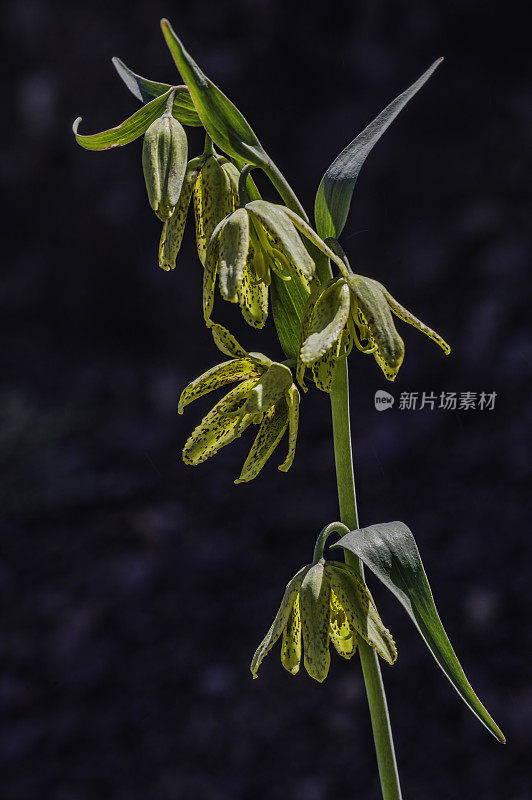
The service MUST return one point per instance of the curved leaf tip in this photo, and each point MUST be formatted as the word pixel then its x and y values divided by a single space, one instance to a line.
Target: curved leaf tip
pixel 333 198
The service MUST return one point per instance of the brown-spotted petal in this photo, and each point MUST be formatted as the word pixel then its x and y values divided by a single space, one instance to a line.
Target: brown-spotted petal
pixel 292 398
pixel 219 427
pixel 315 290
pixel 323 370
pixel 272 386
pixel 343 636
pixel 372 313
pixel 283 234
pixel 329 317
pixel 233 253
pixel 360 609
pixel 253 292
pixel 304 228
pixel 280 621
pixel 213 199
pixel 403 313
pixel 226 342
pixel 211 270
pixel 228 372
pixel 291 644
pixel 314 599
pixel 174 227
pixel 273 426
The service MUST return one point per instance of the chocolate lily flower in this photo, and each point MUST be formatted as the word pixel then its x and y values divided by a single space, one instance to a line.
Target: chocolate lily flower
pixel 243 250
pixel 265 394
pixel 324 602
pixel 349 309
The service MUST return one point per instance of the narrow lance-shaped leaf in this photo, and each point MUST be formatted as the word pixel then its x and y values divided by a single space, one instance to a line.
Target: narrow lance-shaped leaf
pixel 222 120
pixel 145 90
pixel 391 553
pixel 333 198
pixel 127 131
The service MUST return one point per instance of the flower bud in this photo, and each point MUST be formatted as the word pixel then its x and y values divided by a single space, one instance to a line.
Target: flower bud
pixel 164 161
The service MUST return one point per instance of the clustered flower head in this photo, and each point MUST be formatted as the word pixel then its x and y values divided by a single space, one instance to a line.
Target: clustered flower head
pixel 258 252
pixel 324 602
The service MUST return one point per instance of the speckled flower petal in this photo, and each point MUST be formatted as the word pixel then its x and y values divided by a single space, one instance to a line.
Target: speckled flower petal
pixel 292 399
pixel 291 645
pixel 360 609
pixel 219 427
pixel 314 598
pixel 343 636
pixel 226 342
pixel 304 228
pixel 236 370
pixel 403 313
pixel 211 270
pixel 273 385
pixel 315 290
pixel 253 293
pixel 323 370
pixel 329 317
pixel 281 619
pixel 174 227
pixel 372 313
pixel 233 254
pixel 272 428
pixel 214 199
pixel 283 234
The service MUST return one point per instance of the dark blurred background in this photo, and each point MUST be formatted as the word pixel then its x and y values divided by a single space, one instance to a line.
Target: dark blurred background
pixel 135 589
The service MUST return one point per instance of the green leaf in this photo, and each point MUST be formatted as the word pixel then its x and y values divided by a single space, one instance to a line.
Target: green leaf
pixel 222 120
pixel 145 90
pixel 333 198
pixel 390 552
pixel 127 131
pixel 288 302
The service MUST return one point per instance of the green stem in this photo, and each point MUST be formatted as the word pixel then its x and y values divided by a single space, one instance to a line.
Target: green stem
pixel 284 189
pixel 380 720
pixel 243 193
pixel 378 708
pixel 208 150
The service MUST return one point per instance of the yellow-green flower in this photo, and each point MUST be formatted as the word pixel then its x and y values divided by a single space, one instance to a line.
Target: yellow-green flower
pixel 265 394
pixel 350 309
pixel 324 602
pixel 247 246
pixel 211 181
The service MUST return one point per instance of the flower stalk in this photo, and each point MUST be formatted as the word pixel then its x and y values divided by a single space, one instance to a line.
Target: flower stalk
pixel 345 479
pixel 254 250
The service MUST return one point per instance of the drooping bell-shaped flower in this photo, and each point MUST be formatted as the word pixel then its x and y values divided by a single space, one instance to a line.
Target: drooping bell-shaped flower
pixel 324 602
pixel 211 181
pixel 349 309
pixel 243 250
pixel 265 394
